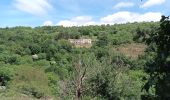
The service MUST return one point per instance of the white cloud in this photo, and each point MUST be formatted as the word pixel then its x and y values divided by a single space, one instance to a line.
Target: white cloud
pixel 125 16
pixel 150 3
pixel 35 7
pixel 67 23
pixel 48 23
pixel 119 17
pixel 77 21
pixel 123 5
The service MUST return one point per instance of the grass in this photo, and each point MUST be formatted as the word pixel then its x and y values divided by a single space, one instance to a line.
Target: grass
pixel 20 96
pixel 16 96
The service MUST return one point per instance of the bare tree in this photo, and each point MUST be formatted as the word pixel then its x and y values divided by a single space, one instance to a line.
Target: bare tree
pixel 83 70
pixel 79 78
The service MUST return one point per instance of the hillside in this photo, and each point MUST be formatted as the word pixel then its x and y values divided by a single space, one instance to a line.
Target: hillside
pixel 41 62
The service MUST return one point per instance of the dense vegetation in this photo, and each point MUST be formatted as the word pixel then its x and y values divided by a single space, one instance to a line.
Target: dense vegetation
pixel 41 63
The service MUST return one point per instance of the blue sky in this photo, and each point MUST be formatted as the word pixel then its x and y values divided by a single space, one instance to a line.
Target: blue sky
pixel 79 12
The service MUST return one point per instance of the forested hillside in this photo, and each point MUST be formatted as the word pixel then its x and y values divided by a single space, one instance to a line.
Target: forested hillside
pixel 40 62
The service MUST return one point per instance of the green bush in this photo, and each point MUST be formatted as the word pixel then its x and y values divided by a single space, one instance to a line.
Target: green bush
pixel 9 58
pixel 6 74
pixel 42 56
pixel 53 83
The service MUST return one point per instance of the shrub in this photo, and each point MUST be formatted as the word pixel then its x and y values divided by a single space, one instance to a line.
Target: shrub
pixel 53 82
pixel 6 74
pixel 9 58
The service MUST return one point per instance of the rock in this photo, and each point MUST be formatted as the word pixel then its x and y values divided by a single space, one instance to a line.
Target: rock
pixel 2 87
pixel 35 56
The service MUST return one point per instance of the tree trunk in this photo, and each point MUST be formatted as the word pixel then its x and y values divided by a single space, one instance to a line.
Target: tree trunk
pixel 78 94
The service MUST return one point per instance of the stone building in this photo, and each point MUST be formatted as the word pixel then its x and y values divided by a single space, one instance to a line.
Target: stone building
pixel 81 42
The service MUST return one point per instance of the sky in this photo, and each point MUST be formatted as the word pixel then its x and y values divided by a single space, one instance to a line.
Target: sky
pixel 79 12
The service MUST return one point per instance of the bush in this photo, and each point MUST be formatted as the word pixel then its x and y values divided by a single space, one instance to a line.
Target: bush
pixel 35 48
pixel 42 55
pixel 9 58
pixel 6 74
pixel 121 38
pixel 53 83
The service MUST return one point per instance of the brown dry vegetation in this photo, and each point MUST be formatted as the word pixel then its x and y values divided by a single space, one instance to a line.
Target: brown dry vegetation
pixel 83 46
pixel 132 50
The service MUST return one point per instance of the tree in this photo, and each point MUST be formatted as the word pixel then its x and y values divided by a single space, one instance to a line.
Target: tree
pixel 159 69
pixel 115 80
pixel 83 70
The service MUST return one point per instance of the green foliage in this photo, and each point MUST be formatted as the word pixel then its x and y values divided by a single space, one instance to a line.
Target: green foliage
pixel 42 55
pixel 9 58
pixel 53 81
pixel 58 70
pixel 115 81
pixel 159 67
pixel 121 38
pixel 30 81
pixel 34 48
pixel 109 74
pixel 6 74
pixel 102 40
